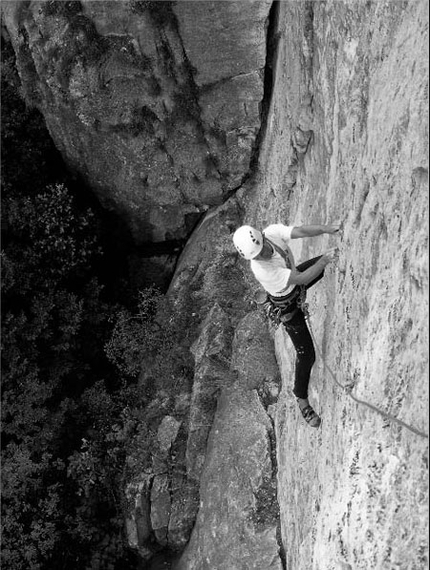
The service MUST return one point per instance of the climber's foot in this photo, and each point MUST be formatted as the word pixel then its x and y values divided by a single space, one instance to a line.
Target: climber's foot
pixel 310 416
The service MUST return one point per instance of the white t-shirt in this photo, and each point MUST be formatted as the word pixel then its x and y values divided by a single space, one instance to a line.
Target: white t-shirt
pixel 273 273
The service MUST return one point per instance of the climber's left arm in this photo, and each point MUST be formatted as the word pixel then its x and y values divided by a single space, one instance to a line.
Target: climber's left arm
pixel 312 231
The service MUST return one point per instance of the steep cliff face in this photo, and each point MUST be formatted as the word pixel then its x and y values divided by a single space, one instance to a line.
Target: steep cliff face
pixel 346 140
pixel 156 104
pixel 359 485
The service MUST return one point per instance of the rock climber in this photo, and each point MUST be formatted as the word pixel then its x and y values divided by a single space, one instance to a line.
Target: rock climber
pixel 285 285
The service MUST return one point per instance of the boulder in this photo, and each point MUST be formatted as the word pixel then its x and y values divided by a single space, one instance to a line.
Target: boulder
pixel 161 506
pixel 167 432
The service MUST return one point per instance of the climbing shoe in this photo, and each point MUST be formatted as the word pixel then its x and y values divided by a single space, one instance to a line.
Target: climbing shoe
pixel 310 416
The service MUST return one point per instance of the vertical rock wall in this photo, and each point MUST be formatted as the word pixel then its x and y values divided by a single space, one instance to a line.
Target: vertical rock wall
pixel 353 494
pixel 346 140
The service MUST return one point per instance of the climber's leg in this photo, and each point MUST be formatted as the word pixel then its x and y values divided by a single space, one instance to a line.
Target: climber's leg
pixel 305 357
pixel 300 336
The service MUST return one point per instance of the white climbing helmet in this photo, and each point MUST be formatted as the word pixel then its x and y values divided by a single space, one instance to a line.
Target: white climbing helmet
pixel 248 241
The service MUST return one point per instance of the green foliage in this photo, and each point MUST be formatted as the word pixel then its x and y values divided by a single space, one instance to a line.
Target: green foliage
pixel 61 8
pixel 30 513
pixel 62 241
pixel 140 342
pixel 67 435
pixel 55 228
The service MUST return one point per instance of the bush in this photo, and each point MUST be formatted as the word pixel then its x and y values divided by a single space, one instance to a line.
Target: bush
pixel 137 335
pixel 53 312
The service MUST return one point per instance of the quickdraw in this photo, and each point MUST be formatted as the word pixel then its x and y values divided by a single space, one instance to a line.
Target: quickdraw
pixel 276 315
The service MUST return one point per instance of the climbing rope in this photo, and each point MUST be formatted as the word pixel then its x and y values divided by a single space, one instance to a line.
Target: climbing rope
pixel 348 388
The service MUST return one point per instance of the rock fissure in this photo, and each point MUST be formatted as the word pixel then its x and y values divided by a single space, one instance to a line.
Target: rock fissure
pixel 269 79
pixel 308 32
pixel 195 92
pixel 268 401
pixel 267 72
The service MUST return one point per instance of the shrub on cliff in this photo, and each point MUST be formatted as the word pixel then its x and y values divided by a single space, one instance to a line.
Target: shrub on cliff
pixel 69 418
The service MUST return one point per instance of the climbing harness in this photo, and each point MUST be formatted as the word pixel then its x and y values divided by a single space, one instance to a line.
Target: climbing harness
pixel 280 310
pixel 348 390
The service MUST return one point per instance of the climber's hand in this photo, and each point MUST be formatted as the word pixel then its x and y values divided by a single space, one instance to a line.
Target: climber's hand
pixel 330 255
pixel 334 228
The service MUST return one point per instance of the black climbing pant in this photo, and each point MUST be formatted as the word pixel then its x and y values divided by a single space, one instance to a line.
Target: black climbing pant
pixel 300 336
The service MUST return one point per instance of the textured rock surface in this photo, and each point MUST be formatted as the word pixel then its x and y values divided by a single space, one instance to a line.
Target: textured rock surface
pixel 346 140
pixel 213 343
pixel 163 501
pixel 355 492
pixel 225 43
pixel 237 522
pixel 158 131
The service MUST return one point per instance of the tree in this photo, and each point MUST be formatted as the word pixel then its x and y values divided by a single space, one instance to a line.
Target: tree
pixel 56 321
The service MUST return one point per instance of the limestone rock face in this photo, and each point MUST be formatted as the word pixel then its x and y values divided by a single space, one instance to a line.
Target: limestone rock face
pixel 226 45
pixel 160 131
